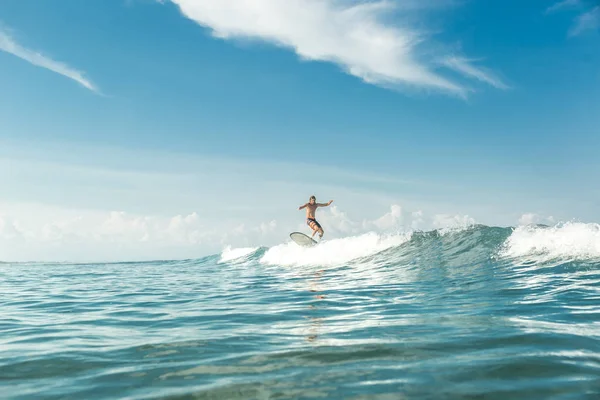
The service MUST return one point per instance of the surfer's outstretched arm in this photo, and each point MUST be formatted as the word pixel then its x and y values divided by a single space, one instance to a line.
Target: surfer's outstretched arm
pixel 301 207
pixel 324 204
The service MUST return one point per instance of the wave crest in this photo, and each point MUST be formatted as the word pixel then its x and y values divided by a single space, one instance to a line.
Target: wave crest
pixel 332 252
pixel 462 245
pixel 572 240
pixel 232 254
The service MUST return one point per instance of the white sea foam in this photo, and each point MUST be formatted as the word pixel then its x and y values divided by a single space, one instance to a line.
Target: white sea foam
pixel 332 252
pixel 230 254
pixel 570 240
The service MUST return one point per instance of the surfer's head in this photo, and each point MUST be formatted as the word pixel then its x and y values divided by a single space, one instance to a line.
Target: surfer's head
pixel 312 200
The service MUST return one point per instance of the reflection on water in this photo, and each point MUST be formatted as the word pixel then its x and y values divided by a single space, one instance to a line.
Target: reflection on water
pixel 315 322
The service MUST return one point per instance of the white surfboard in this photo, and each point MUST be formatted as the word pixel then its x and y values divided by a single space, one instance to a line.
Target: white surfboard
pixel 302 239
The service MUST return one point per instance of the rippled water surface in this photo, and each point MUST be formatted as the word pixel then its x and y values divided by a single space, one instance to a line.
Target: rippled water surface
pixel 481 313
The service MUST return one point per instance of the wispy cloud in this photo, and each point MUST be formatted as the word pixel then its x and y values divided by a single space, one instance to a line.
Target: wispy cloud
pixel 586 21
pixel 464 66
pixel 561 5
pixel 9 45
pixel 358 36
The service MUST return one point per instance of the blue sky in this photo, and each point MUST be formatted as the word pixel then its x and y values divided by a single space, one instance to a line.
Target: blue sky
pixel 233 113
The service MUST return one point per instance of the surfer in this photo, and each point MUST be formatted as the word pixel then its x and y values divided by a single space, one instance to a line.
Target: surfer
pixel 311 209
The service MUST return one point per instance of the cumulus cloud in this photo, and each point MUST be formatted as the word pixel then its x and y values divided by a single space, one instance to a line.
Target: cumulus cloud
pixel 396 219
pixel 8 229
pixel 441 221
pixel 389 220
pixel 527 219
pixel 358 36
pixel 265 228
pixel 186 229
pixel 417 220
pixel 533 218
pixel 117 236
pixel 9 45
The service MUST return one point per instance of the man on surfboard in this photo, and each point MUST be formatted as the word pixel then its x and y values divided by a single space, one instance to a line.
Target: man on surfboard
pixel 311 209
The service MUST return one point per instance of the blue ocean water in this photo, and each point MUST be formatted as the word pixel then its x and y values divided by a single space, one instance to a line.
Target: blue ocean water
pixel 472 313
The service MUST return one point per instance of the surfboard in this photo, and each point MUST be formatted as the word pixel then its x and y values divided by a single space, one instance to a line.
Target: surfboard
pixel 302 239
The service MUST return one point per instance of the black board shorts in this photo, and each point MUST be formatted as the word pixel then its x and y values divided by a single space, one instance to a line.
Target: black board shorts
pixel 309 220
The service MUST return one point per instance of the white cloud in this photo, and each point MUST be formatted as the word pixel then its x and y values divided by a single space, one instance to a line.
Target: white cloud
pixel 127 236
pixel 96 207
pixel 8 45
pixel 417 220
pixel 337 221
pixel 587 21
pixel 561 5
pixel 528 219
pixel 389 220
pixel 463 66
pixel 239 230
pixel 533 218
pixel 356 35
pixel 441 221
pixel 118 236
pixel 8 229
pixel 120 226
pixel 265 228
pixel 187 229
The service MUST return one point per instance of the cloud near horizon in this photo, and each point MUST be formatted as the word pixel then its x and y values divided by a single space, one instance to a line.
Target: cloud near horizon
pixel 353 35
pixel 156 207
pixel 118 236
pixel 9 45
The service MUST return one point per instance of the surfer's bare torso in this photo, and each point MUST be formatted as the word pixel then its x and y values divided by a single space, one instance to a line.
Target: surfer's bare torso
pixel 311 209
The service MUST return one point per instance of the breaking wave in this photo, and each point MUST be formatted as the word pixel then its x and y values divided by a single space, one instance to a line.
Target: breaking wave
pixel 523 244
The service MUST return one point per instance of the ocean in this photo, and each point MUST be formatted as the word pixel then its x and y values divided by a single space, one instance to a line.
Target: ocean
pixel 470 313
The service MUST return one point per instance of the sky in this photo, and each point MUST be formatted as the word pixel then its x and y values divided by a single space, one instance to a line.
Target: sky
pixel 145 129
